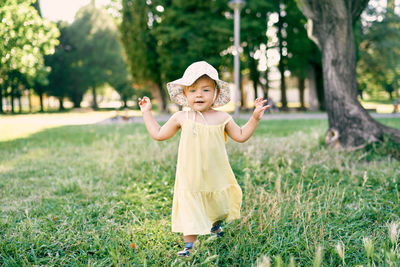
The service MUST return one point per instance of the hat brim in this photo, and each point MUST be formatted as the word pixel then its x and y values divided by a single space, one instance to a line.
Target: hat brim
pixel 175 90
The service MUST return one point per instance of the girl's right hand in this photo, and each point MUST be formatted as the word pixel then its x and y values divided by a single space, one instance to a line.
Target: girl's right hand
pixel 144 104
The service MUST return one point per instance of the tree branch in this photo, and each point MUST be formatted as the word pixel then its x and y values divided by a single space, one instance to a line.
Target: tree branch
pixel 307 8
pixel 310 33
pixel 357 7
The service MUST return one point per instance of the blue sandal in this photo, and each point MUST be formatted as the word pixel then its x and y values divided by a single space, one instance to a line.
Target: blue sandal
pixel 186 252
pixel 217 230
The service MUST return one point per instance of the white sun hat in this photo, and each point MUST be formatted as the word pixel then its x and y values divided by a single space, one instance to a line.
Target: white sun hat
pixel 192 73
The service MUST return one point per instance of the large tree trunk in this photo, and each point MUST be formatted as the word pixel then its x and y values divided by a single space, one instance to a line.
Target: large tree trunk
pixel 333 33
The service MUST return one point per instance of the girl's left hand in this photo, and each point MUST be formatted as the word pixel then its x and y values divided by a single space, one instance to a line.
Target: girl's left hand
pixel 259 108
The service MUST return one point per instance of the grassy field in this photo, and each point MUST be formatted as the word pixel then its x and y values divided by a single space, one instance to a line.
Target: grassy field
pixel 101 195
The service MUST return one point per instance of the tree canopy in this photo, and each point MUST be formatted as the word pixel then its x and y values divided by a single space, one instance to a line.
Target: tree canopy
pixel 27 37
pixel 379 51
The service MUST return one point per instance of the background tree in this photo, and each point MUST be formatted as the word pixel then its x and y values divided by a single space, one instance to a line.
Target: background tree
pixel 282 35
pixel 40 81
pixel 302 53
pixel 378 67
pixel 26 38
pixel 138 22
pixel 15 80
pixel 40 85
pixel 121 81
pixel 331 27
pixel 63 75
pixel 191 31
pixel 254 24
pixel 66 78
pixel 96 49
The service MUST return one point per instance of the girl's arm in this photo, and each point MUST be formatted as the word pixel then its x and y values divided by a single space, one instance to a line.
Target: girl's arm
pixel 157 132
pixel 243 134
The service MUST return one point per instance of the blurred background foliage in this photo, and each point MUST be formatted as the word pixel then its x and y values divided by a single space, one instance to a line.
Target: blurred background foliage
pixel 135 47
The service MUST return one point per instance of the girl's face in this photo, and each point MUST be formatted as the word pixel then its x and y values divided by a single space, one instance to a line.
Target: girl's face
pixel 200 95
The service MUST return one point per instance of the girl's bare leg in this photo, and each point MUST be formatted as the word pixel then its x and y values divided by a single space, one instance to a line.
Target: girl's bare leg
pixel 189 238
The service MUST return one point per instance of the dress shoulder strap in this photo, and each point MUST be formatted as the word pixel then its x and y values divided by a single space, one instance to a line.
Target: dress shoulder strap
pixel 227 120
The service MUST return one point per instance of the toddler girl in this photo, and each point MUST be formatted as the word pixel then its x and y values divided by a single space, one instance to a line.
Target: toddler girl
pixel 206 192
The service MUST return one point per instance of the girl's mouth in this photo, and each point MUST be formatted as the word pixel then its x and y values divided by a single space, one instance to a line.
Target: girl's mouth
pixel 197 102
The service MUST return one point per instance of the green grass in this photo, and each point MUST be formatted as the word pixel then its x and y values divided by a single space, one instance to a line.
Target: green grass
pixel 101 195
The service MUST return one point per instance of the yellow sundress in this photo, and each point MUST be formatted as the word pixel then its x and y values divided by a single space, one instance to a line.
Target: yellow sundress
pixel 205 189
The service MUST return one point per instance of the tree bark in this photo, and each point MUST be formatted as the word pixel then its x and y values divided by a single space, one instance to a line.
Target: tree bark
pixel 254 74
pixel 1 100
pixel 301 93
pixel 281 65
pixel 61 104
pixel 319 79
pixel 163 98
pixel 30 99
pixel 312 90
pixel 12 99
pixel 333 33
pixel 157 93
pixel 266 85
pixel 41 102
pixel 76 99
pixel 77 104
pixel 20 104
pixel 94 103
pixel 241 90
pixel 243 97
